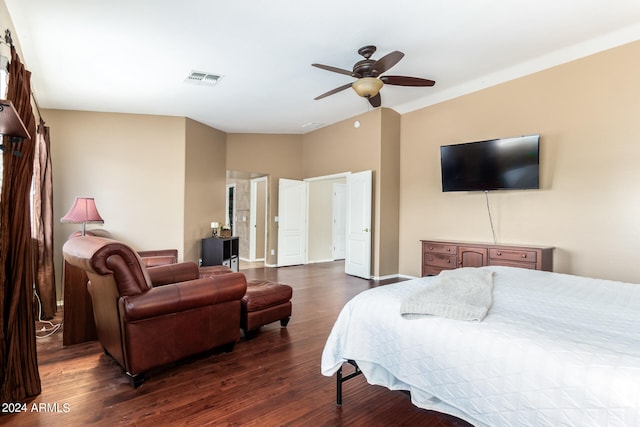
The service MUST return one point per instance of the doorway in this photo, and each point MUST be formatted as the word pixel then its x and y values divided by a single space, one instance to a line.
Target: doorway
pixel 247 214
pixel 308 222
pixel 258 220
pixel 230 208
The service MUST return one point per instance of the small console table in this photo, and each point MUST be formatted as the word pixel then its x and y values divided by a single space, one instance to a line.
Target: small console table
pixel 221 251
pixel 442 255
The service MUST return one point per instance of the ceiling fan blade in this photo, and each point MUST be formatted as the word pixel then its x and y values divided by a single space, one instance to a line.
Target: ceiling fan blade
pixel 334 69
pixel 386 62
pixel 331 92
pixel 406 81
pixel 375 101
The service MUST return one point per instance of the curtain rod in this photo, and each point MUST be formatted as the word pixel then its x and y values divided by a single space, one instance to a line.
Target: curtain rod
pixel 35 102
pixel 7 39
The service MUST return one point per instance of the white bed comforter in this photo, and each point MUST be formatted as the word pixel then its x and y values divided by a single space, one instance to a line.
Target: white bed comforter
pixel 554 350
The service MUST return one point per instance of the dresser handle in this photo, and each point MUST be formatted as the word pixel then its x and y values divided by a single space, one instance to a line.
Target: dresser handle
pixel 524 255
pixel 499 253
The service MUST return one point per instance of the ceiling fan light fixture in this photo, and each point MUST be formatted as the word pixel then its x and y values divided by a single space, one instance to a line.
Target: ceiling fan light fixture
pixel 367 87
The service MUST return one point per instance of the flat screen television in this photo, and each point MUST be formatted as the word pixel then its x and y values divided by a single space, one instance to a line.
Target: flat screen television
pixel 496 164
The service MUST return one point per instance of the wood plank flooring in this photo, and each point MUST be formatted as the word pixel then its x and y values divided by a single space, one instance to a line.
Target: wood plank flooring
pixel 272 380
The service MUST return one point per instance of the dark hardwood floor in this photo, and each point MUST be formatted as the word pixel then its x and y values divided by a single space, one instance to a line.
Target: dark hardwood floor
pixel 272 380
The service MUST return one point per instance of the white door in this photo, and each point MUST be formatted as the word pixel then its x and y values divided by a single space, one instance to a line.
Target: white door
pixel 339 230
pixel 358 248
pixel 257 219
pixel 292 219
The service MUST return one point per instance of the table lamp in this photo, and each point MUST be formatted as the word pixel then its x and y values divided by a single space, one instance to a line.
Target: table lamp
pixel 82 212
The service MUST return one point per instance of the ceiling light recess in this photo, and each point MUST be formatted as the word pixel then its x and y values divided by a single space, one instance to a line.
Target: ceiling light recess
pixel 203 78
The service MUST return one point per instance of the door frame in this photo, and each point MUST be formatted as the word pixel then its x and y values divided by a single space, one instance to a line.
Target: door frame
pixel 306 231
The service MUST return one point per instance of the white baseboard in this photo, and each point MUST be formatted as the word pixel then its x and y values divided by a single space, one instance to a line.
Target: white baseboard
pixel 320 260
pixel 378 278
pixel 392 276
pixel 248 260
pixel 406 276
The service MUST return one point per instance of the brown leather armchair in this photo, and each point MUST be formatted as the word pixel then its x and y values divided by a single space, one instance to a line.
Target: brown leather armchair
pixel 78 309
pixel 143 326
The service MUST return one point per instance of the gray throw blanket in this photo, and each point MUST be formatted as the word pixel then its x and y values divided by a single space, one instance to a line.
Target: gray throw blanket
pixel 462 294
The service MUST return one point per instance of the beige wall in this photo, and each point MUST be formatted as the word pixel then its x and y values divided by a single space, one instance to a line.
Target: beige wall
pixel 133 165
pixel 204 184
pixel 277 156
pixel 589 204
pixel 388 218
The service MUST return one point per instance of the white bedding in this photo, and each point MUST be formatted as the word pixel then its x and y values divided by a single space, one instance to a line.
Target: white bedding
pixel 553 350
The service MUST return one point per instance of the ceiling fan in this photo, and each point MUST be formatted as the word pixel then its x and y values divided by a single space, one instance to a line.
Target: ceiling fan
pixel 368 72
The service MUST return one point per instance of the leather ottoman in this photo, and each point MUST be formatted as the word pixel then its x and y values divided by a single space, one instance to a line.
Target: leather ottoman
pixel 264 303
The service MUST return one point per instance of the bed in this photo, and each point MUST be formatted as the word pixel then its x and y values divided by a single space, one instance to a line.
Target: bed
pixel 553 350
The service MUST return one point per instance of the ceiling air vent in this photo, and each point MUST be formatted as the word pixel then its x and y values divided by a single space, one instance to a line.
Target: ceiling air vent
pixel 312 125
pixel 201 78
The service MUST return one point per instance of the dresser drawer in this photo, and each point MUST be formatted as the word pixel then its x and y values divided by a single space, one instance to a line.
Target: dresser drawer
pixel 517 255
pixel 441 248
pixel 507 263
pixel 440 260
pixel 433 271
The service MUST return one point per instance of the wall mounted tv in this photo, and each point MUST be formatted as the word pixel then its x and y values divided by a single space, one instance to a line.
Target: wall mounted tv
pixel 496 164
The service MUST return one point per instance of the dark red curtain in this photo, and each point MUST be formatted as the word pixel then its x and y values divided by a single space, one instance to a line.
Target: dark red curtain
pixel 43 223
pixel 19 377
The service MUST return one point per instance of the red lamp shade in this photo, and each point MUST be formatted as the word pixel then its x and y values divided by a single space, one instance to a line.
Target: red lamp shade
pixel 82 212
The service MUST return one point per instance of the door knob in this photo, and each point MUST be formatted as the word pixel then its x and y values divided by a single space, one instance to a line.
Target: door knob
pixel 366 230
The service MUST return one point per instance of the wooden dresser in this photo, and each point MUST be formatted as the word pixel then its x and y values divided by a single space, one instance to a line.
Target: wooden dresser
pixel 443 255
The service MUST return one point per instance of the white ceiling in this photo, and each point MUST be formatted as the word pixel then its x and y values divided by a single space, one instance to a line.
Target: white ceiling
pixel 133 56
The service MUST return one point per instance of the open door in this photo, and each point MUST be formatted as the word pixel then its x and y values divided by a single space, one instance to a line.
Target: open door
pixel 292 220
pixel 358 247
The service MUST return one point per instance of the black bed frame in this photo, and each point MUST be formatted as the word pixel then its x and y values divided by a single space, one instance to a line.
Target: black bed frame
pixel 340 378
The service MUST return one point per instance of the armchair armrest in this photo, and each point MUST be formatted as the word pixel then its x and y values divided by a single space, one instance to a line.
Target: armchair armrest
pixel 183 296
pixel 214 270
pixel 173 273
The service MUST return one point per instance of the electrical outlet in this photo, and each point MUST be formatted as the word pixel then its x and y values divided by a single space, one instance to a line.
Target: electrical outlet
pixel 273 251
